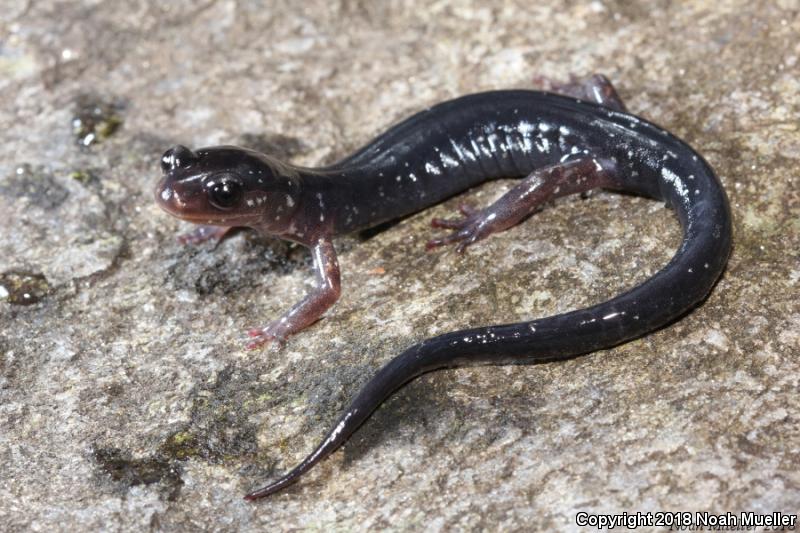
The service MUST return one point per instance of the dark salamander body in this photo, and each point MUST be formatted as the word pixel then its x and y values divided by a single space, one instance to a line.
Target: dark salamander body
pixel 559 144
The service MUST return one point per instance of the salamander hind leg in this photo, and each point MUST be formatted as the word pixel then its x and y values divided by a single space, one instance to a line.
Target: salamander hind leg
pixel 595 88
pixel 575 176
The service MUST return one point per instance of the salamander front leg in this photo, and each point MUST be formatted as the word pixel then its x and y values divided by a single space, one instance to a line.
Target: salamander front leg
pixel 578 175
pixel 309 309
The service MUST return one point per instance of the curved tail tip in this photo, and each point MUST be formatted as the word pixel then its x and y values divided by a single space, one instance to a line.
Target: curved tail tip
pixel 258 494
pixel 263 492
pixel 272 488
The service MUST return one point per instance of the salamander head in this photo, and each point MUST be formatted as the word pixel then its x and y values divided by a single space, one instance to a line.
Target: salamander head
pixel 227 186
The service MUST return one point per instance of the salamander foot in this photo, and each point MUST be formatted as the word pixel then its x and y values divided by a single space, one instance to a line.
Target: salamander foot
pixel 595 88
pixel 473 226
pixel 263 336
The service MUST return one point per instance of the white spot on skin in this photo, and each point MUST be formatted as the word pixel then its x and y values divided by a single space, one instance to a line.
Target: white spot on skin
pixel 676 181
pixel 462 152
pixel 250 202
pixel 525 127
pixel 432 169
pixel 480 148
pixel 492 139
pixel 289 201
pixel 340 426
pixel 543 145
pixel 525 144
pixel 166 194
pixel 448 161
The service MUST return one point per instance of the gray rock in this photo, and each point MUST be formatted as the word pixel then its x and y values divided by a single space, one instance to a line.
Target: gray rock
pixel 127 400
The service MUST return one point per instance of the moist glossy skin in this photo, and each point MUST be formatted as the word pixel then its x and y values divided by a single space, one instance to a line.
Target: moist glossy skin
pixel 559 144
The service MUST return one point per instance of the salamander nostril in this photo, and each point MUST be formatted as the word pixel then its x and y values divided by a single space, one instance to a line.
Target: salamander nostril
pixel 176 157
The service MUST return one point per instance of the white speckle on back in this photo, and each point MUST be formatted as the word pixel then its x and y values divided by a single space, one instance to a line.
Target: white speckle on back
pixel 677 183
pixel 525 127
pixel 448 161
pixel 462 152
pixel 430 168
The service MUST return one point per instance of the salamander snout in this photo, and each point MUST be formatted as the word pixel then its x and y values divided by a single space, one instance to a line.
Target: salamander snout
pixel 176 157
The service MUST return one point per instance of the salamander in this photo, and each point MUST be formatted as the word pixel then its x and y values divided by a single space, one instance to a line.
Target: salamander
pixel 570 139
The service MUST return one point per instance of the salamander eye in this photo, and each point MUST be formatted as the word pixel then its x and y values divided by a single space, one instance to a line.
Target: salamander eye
pixel 224 191
pixel 176 157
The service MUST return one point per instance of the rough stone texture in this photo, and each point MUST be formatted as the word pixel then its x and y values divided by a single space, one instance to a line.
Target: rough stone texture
pixel 127 401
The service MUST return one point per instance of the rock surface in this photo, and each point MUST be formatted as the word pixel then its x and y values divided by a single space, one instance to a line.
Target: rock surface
pixel 127 401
